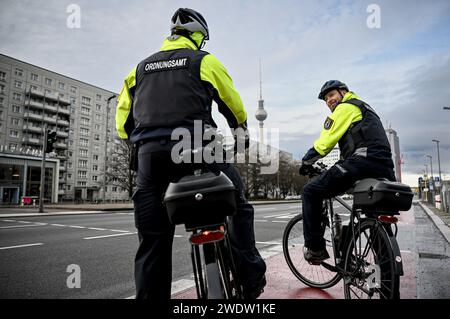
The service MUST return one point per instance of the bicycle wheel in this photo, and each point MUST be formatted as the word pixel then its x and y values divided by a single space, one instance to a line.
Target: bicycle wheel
pixel 316 276
pixel 370 261
pixel 214 283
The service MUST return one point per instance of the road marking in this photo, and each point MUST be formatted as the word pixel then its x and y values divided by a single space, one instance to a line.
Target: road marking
pixel 268 242
pixel 119 231
pixel 23 222
pixel 58 225
pixel 18 226
pixel 279 221
pixel 276 215
pixel 20 246
pixel 287 216
pixel 94 228
pixel 106 236
pixel 80 227
pixel 9 220
pixel 261 220
pixel 178 236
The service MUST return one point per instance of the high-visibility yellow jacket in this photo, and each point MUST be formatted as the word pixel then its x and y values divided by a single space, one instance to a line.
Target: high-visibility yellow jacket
pixel 172 88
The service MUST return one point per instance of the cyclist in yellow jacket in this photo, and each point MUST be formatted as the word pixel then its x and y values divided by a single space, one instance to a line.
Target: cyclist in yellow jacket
pixel 365 153
pixel 170 89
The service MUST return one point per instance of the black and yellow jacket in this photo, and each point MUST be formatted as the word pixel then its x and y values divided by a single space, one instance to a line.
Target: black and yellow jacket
pixel 358 130
pixel 172 88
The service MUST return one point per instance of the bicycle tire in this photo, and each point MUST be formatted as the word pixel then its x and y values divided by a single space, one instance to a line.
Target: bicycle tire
pixel 373 254
pixel 311 275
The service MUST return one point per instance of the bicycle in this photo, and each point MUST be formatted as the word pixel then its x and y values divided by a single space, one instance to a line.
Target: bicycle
pixel 203 201
pixel 364 253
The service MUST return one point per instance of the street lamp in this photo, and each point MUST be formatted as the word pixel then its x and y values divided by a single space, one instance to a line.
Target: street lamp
pixel 431 165
pixel 106 145
pixel 439 159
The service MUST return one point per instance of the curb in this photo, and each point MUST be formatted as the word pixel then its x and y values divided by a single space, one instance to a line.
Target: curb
pixel 443 228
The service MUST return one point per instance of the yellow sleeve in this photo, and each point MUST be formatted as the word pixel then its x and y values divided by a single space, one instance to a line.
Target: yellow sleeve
pixel 227 97
pixel 124 111
pixel 335 127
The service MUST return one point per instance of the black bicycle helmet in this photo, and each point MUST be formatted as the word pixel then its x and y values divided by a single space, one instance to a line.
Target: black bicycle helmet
pixel 190 20
pixel 331 85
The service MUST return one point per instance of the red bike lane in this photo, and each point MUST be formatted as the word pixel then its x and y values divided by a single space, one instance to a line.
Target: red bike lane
pixel 282 284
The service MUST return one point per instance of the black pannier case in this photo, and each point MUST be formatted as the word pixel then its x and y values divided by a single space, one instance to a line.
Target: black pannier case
pixel 199 200
pixel 382 196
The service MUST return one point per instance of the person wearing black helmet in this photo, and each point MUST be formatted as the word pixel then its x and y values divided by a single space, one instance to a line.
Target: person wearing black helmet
pixel 174 88
pixel 365 152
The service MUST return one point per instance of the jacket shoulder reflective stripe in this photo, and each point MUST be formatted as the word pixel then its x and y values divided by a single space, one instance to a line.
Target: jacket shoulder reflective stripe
pixel 343 116
pixel 124 106
pixel 212 71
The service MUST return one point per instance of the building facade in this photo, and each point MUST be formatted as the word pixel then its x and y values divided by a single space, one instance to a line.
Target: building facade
pixel 34 99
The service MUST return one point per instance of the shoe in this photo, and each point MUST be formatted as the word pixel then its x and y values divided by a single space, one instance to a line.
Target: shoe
pixel 256 290
pixel 315 257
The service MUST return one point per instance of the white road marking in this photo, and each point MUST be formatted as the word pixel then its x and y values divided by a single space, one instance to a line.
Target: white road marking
pixel 268 242
pixel 119 231
pixel 80 227
pixel 279 221
pixel 261 220
pixel 267 208
pixel 94 228
pixel 18 226
pixel 23 222
pixel 20 246
pixel 106 236
pixel 58 225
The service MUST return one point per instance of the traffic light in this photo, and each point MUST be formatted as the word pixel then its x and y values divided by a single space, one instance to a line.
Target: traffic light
pixel 51 139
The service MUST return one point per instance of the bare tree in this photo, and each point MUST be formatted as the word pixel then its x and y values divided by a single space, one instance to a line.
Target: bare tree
pixel 119 172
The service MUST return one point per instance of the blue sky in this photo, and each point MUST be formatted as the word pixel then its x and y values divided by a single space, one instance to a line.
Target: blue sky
pixel 402 68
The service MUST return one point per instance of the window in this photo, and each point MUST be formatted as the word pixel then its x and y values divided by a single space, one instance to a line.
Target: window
pixel 34 87
pixel 2 89
pixel 14 133
pixel 96 147
pixel 18 84
pixel 13 146
pixel 99 97
pixel 85 100
pixel 97 127
pixel 96 137
pixel 47 91
pixel 83 152
pixel 84 131
pixel 2 101
pixel 61 86
pixel 82 163
pixel 94 178
pixel 34 77
pixel 114 188
pixel 68 187
pixel 2 76
pixel 16 109
pixel 48 81
pixel 84 142
pixel 17 96
pixel 18 72
pixel 15 121
pixel 69 176
pixel 95 157
pixel 73 100
pixel 82 183
pixel 73 90
pixel 85 110
pixel 85 121
pixel 98 118
pixel 98 107
pixel 95 167
pixel 82 174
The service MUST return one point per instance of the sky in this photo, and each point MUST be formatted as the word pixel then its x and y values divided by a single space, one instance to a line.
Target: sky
pixel 394 54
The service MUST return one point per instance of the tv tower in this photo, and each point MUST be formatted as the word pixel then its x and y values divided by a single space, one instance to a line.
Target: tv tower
pixel 261 114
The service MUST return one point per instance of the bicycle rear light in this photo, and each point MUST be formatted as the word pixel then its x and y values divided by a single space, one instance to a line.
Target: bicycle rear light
pixel 388 219
pixel 207 236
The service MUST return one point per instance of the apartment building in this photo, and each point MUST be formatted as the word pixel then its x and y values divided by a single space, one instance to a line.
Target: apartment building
pixel 33 99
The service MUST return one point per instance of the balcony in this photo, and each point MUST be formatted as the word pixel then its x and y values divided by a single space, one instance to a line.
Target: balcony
pixel 62 134
pixel 61 145
pixel 64 101
pixel 51 120
pixel 35 92
pixel 37 117
pixel 51 108
pixel 31 141
pixel 62 168
pixel 63 123
pixel 31 128
pixel 64 111
pixel 34 104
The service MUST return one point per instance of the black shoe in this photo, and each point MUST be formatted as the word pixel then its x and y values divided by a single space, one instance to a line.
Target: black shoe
pixel 255 290
pixel 315 257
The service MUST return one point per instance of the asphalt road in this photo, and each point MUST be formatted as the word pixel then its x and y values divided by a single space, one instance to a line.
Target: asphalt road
pixel 38 254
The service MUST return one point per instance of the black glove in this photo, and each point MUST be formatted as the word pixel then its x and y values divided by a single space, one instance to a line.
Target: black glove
pixel 305 169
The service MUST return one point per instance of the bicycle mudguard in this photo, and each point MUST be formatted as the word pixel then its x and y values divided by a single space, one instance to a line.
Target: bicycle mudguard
pixel 396 251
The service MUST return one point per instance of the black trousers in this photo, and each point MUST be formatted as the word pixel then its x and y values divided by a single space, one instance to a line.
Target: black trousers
pixel 153 261
pixel 336 180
